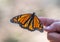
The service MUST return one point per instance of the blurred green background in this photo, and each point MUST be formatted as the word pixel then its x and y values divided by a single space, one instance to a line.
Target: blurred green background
pixel 11 8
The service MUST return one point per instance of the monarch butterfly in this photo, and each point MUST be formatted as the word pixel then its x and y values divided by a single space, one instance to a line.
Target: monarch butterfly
pixel 28 21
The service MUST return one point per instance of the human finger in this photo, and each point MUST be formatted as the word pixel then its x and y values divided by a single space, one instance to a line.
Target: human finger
pixel 53 37
pixel 46 21
pixel 54 27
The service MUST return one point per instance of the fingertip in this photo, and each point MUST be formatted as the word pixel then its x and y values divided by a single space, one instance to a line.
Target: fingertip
pixel 48 29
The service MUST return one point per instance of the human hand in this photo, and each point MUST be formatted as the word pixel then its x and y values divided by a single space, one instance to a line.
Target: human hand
pixel 52 28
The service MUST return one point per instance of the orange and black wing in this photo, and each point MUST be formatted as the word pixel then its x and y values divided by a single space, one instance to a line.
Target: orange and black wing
pixel 37 24
pixel 28 24
pixel 24 18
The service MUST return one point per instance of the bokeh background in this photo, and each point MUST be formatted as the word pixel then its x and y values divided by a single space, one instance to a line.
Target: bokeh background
pixel 11 8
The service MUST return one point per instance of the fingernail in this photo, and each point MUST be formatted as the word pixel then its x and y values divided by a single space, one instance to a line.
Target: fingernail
pixel 47 28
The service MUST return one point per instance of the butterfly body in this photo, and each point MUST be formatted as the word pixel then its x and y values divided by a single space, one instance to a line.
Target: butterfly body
pixel 28 21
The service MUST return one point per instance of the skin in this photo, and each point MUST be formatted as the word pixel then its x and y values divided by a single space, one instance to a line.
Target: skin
pixel 52 27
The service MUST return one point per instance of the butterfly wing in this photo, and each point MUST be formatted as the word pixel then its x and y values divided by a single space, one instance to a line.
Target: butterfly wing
pixel 28 25
pixel 37 24
pixel 24 18
pixel 31 28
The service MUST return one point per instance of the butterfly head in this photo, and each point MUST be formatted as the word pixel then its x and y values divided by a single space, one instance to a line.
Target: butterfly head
pixel 14 20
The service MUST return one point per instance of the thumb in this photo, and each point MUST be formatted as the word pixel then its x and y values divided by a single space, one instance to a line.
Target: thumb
pixel 54 27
